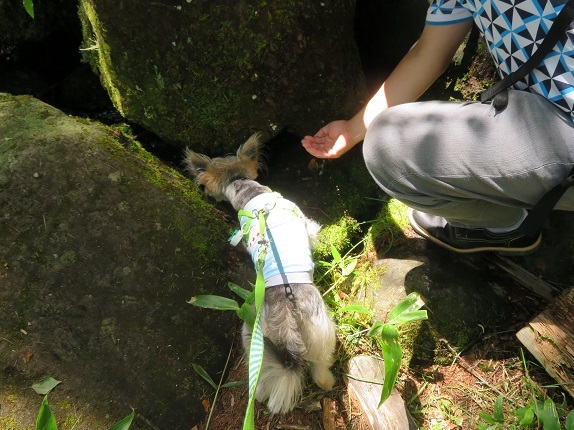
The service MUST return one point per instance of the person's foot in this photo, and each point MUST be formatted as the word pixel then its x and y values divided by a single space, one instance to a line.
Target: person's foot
pixel 466 240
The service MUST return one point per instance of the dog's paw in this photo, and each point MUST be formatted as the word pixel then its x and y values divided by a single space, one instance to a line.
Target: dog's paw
pixel 323 377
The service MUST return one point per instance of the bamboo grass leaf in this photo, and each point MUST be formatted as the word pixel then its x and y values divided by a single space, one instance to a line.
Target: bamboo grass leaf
pixel 201 372
pixel 29 7
pixel 46 419
pixel 125 423
pixel 392 354
pixel 241 292
pixel 214 302
pixel 45 385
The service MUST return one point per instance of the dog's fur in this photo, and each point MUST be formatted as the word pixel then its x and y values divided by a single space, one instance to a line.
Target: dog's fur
pixel 298 330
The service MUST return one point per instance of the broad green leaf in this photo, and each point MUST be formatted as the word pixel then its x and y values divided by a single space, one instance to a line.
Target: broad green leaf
pixel 353 308
pixel 45 385
pixel 569 424
pixel 335 254
pixel 29 6
pixel 46 419
pixel 549 416
pixel 410 316
pixel 525 416
pixel 349 268
pixel 498 412
pixel 487 417
pixel 241 292
pixel 125 423
pixel 201 372
pixel 392 354
pixel 246 314
pixel 410 303
pixel 214 302
pixel 376 329
pixel 233 384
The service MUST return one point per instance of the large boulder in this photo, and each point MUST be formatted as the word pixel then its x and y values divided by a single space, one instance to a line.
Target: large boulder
pixel 206 74
pixel 100 248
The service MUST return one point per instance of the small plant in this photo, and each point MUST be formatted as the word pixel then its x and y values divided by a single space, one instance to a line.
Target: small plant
pixel 244 311
pixel 537 412
pixel 545 413
pixel 201 372
pixel 408 310
pixel 46 419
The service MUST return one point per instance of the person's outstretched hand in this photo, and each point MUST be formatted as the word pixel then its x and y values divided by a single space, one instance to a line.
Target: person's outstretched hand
pixel 331 141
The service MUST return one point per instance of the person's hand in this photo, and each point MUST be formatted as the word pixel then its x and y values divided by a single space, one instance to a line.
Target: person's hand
pixel 331 141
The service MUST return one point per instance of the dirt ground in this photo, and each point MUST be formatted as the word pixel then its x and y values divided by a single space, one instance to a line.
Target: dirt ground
pixel 448 396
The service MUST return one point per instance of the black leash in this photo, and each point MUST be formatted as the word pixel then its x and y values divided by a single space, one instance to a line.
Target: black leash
pixel 499 95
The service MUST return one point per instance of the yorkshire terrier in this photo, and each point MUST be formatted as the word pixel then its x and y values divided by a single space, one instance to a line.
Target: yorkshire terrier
pixel 296 325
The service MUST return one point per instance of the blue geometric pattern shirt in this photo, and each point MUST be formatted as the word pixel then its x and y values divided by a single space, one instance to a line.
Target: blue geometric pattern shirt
pixel 513 30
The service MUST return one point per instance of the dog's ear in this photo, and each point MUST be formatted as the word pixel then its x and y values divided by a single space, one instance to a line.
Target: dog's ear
pixel 196 163
pixel 251 149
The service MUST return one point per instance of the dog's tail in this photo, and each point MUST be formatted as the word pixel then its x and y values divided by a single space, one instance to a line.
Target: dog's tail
pixel 281 378
pixel 282 373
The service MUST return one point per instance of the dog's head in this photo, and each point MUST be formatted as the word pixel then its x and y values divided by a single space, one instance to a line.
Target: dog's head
pixel 215 174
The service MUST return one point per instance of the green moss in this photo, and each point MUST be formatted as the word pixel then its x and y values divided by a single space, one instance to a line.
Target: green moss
pixel 209 73
pixel 339 234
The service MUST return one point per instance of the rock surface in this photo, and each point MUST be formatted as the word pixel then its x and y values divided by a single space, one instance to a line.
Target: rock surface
pixel 206 75
pixel 101 246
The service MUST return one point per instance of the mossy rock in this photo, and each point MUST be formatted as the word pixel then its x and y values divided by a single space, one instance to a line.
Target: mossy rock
pixel 101 248
pixel 206 74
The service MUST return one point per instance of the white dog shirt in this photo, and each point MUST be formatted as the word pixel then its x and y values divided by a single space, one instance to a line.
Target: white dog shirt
pixel 288 259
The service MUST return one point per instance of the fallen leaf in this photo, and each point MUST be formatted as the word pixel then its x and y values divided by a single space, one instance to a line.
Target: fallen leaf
pixel 27 356
pixel 206 405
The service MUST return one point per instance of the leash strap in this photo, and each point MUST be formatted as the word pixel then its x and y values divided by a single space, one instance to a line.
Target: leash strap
pixel 535 218
pixel 257 342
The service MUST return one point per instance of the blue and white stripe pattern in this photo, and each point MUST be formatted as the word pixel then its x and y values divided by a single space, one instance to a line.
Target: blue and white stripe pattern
pixel 513 30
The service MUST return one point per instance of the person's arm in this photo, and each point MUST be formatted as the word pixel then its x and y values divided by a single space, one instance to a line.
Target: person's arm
pixel 419 68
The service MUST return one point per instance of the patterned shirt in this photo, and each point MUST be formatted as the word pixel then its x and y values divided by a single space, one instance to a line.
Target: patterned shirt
pixel 513 30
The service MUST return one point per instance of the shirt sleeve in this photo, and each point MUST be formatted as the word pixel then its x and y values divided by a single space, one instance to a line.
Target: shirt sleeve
pixel 444 12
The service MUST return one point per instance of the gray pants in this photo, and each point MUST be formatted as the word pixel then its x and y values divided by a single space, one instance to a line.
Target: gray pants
pixel 468 163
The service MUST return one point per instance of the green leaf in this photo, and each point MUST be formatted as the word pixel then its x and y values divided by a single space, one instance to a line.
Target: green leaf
pixel 549 416
pixel 214 302
pixel 335 254
pixel 45 385
pixel 498 412
pixel 392 355
pixel 487 417
pixel 125 423
pixel 241 292
pixel 410 316
pixel 349 268
pixel 569 424
pixel 29 6
pixel 201 372
pixel 410 303
pixel 525 416
pixel 233 384
pixel 376 329
pixel 246 314
pixel 46 419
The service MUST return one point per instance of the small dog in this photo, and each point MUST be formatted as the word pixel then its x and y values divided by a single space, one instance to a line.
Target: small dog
pixel 295 322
